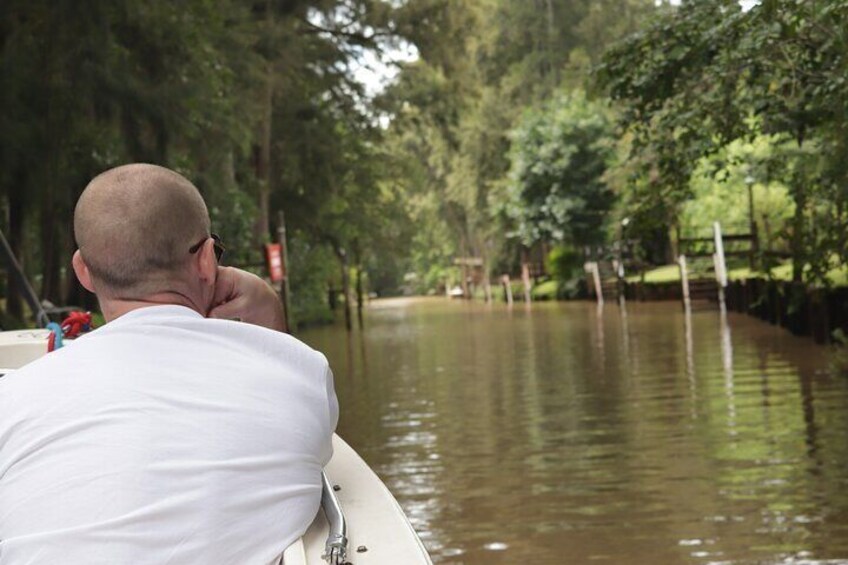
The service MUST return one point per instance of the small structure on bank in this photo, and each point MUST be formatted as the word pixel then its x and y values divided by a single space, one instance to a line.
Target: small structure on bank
pixel 475 274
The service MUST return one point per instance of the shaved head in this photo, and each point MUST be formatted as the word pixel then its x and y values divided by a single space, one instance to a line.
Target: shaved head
pixel 134 226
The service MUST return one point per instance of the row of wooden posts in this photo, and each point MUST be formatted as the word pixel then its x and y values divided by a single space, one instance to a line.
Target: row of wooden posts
pixel 593 270
pixel 466 263
pixel 597 283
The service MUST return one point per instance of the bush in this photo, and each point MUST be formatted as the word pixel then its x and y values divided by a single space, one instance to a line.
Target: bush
pixel 311 267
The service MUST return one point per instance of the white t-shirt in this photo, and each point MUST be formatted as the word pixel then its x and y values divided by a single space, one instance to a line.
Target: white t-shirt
pixel 164 437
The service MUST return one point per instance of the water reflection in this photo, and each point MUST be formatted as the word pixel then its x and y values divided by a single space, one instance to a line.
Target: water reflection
pixel 690 356
pixel 599 331
pixel 727 367
pixel 625 333
pixel 573 434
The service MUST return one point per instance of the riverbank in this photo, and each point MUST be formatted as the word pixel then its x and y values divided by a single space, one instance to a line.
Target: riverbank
pixel 804 310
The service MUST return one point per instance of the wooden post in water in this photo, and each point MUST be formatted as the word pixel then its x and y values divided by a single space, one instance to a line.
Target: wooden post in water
pixel 525 274
pixel 346 288
pixel 619 280
pixel 684 280
pixel 507 289
pixel 720 265
pixel 592 268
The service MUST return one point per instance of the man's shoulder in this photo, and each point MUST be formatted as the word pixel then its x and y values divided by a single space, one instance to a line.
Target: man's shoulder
pixel 257 335
pixel 212 333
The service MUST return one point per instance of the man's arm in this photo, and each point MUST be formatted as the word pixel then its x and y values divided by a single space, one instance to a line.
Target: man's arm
pixel 244 296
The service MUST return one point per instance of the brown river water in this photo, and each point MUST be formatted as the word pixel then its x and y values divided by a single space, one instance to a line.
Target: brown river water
pixel 562 434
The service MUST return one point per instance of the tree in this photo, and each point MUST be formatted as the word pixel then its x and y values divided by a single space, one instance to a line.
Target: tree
pixel 555 189
pixel 228 93
pixel 482 63
pixel 707 73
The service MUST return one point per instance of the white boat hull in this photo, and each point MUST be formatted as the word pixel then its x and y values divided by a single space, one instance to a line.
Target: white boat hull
pixel 378 530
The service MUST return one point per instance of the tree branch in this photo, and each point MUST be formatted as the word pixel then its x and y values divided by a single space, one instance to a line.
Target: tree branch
pixel 356 36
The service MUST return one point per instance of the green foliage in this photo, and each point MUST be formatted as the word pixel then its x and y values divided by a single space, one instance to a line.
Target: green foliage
pixel 707 73
pixel 547 290
pixel 233 215
pixel 660 275
pixel 483 63
pixel 719 193
pixel 564 263
pixel 556 190
pixel 311 268
pixel 196 86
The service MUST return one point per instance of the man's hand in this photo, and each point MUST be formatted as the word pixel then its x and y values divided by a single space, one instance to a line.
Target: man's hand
pixel 244 296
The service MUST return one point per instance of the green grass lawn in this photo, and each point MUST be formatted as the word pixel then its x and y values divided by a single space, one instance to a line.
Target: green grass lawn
pixel 783 272
pixel 660 275
pixel 545 291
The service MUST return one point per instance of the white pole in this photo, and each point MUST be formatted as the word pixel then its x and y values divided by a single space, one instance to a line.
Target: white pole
pixel 720 265
pixel 620 282
pixel 596 278
pixel 684 279
pixel 508 288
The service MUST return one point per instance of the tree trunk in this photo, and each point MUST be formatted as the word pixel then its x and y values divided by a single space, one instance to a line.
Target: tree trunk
pixel 466 291
pixel 14 301
pixel 263 172
pixel 48 229
pixel 552 67
pixel 799 195
pixel 262 152
pixel 50 287
pixel 50 250
pixel 360 300
pixel 345 288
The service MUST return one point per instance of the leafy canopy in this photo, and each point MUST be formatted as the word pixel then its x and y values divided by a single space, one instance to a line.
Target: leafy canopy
pixel 555 188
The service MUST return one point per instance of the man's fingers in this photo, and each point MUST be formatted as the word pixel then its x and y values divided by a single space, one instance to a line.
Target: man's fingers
pixel 240 295
pixel 225 285
pixel 228 310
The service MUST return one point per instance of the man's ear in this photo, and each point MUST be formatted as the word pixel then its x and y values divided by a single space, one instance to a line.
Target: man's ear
pixel 82 272
pixel 206 264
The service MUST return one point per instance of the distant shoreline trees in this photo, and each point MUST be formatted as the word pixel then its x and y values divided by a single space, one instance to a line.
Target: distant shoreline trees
pixel 253 100
pixel 481 147
pixel 706 74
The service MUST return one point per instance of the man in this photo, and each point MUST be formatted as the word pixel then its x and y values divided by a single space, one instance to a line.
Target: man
pixel 173 434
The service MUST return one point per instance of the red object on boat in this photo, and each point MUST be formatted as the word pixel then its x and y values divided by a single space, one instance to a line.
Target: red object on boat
pixel 76 323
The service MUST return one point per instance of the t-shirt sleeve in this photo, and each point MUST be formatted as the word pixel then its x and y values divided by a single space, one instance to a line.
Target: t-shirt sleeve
pixel 332 400
pixel 332 412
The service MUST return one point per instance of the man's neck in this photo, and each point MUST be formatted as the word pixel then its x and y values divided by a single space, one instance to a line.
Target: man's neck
pixel 116 307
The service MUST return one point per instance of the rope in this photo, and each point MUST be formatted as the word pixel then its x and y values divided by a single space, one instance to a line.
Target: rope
pixel 76 323
pixel 55 340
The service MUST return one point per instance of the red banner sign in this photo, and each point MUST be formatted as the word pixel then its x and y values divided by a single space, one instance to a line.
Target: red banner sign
pixel 274 261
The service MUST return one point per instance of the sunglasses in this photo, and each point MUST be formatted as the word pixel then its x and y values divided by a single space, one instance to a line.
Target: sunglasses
pixel 219 246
